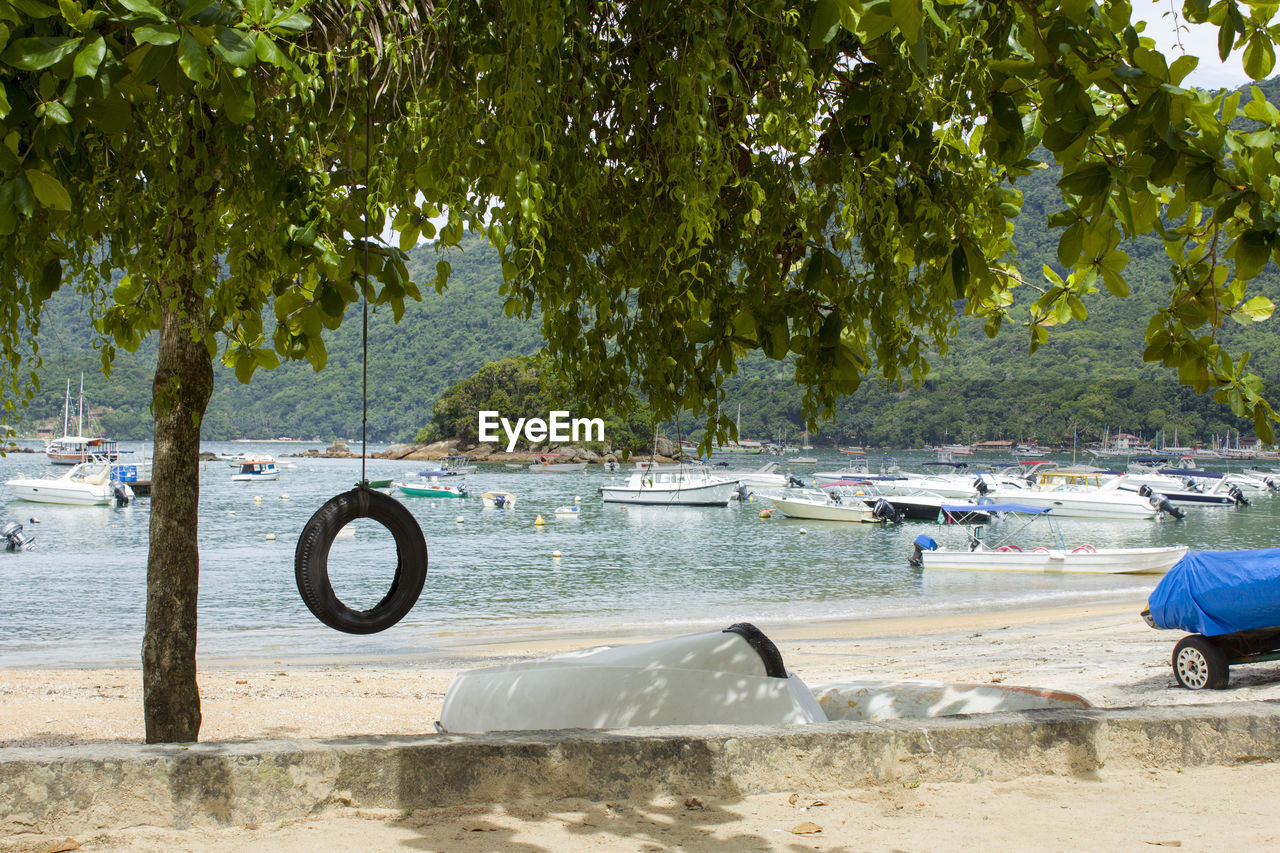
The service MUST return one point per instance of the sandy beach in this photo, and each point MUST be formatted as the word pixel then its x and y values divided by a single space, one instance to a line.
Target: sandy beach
pixel 1105 653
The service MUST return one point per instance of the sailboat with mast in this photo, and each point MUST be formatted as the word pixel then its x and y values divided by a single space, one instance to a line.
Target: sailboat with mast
pixel 74 449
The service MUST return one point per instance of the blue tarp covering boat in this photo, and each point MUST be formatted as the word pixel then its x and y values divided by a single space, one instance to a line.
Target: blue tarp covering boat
pixel 1219 592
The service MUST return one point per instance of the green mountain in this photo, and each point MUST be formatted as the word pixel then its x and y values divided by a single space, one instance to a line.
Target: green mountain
pixel 1087 379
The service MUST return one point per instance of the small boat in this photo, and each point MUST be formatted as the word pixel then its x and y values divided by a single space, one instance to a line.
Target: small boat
pixel 429 489
pixel 1057 556
pixel 766 476
pixel 252 470
pixel 831 505
pixel 672 485
pixel 545 463
pixel 86 484
pixel 733 677
pixel 458 463
pixel 498 500
pixel 568 511
pixel 803 460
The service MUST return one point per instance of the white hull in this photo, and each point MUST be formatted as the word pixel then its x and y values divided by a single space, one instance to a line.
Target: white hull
pixel 46 491
pixel 1109 561
pixel 823 511
pixel 706 494
pixel 75 488
pixel 1066 503
pixel 249 478
pixel 558 467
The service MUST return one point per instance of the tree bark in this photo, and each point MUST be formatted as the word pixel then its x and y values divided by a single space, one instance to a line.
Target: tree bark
pixel 180 393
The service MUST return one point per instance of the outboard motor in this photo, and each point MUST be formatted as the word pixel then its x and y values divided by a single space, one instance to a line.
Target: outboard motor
pixel 743 492
pixel 15 539
pixel 499 501
pixel 887 511
pixel 923 543
pixel 981 486
pixel 1190 485
pixel 1270 483
pixel 1237 495
pixel 794 481
pixel 122 493
pixel 1163 504
pixel 1145 491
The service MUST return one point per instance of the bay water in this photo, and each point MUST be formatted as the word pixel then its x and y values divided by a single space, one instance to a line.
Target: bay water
pixel 78 599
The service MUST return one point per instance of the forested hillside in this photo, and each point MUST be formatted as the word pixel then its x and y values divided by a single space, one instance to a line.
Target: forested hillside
pixel 1089 377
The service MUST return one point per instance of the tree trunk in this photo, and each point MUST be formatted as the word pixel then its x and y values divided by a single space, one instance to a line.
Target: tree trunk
pixel 180 393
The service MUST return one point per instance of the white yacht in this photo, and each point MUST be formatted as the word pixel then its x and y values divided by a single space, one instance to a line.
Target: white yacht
pixel 86 484
pixel 672 485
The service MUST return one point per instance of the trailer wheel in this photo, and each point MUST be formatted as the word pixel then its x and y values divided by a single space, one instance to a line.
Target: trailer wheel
pixel 1198 663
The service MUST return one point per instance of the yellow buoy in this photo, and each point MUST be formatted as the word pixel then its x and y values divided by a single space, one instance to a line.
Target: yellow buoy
pixel 461 519
pixel 766 513
pixel 285 496
pixel 555 554
pixel 271 537
pixel 257 499
pixel 538 522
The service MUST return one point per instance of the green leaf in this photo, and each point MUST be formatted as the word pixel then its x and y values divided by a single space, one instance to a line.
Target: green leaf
pixel 4 101
pixel 697 331
pixel 192 58
pixel 57 112
pixel 33 54
pixel 90 57
pixel 50 279
pixel 48 190
pixel 1252 251
pixel 1259 56
pixel 143 9
pixel 1090 181
pixel 832 326
pixel 1262 425
pixel 237 97
pixel 1115 283
pixel 1258 308
pixel 157 34
pixel 1069 244
pixel 34 9
pixel 908 14
pixel 235 47
pixel 824 23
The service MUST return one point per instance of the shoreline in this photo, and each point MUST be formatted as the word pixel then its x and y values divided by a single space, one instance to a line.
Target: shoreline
pixel 1103 652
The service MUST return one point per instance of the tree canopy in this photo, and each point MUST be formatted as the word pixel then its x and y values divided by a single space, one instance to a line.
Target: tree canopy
pixel 829 179
pixel 672 184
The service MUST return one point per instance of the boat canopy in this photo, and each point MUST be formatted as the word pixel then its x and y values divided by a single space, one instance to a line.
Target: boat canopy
pixel 993 507
pixel 956 465
pixel 1219 592
pixel 1192 472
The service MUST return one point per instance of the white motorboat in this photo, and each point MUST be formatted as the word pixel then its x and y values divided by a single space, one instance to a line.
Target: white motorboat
pixel 731 677
pixel 256 469
pixel 803 460
pixel 1105 501
pixel 498 500
pixel 545 463
pixel 672 485
pixel 1057 556
pixel 830 505
pixel 86 484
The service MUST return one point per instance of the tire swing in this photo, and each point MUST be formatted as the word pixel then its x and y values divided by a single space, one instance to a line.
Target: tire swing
pixel 311 558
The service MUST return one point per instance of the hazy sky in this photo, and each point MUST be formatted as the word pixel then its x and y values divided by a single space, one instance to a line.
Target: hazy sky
pixel 1197 39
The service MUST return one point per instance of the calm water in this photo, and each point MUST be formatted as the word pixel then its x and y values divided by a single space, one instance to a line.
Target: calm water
pixel 79 599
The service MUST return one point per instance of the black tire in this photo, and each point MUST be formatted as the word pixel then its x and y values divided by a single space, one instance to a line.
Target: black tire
pixel 1198 663
pixel 311 561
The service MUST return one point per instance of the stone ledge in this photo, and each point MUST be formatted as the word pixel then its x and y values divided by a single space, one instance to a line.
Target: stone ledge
pixel 107 786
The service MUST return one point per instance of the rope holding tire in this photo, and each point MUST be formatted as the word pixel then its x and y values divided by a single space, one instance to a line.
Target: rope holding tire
pixel 311 561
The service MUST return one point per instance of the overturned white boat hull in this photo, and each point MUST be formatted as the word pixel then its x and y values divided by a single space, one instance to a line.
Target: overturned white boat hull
pixel 713 678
